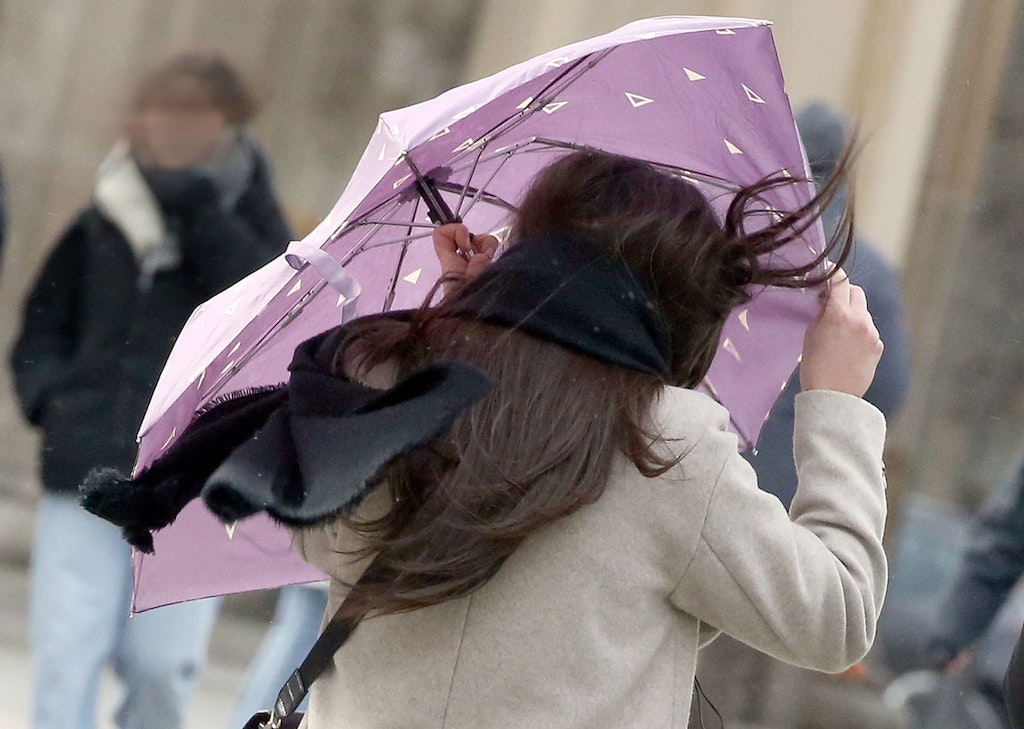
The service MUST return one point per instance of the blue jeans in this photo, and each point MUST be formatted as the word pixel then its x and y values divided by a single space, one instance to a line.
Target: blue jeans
pixel 300 610
pixel 80 601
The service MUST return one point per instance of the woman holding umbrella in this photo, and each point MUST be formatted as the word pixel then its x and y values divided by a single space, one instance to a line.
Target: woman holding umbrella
pixel 553 518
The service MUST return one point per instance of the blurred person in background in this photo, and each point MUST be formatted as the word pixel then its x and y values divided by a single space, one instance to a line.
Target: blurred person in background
pixel 742 683
pixel 1014 686
pixel 991 565
pixel 182 208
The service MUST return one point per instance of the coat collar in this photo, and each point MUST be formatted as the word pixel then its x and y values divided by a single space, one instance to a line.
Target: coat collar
pixel 123 198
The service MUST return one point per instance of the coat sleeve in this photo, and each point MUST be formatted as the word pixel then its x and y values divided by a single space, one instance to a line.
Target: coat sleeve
pixel 48 340
pixel 221 247
pixel 804 587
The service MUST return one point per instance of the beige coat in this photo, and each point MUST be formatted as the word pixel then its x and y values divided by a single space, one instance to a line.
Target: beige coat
pixel 595 621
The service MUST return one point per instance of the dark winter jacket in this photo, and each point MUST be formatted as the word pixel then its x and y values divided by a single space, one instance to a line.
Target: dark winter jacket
pixel 1013 687
pixel 989 568
pixel 94 339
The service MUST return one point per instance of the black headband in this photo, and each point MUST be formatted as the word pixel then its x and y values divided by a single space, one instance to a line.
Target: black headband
pixel 567 290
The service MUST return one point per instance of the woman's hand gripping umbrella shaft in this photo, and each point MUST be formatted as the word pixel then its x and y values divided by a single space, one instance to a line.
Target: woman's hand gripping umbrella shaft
pixel 462 254
pixel 842 346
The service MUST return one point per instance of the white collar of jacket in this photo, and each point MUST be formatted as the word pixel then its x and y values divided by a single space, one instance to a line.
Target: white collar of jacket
pixel 125 200
pixel 122 197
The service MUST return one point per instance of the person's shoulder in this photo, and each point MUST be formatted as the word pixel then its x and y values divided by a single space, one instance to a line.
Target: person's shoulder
pixel 259 200
pixel 685 407
pixel 86 223
pixel 687 416
pixel 261 177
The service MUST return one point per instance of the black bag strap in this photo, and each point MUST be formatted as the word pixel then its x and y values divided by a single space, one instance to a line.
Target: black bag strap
pixel 316 661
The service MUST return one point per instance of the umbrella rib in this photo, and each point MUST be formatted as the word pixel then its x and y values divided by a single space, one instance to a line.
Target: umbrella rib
pixel 481 193
pixel 391 242
pixel 500 151
pixel 293 313
pixel 406 223
pixel 544 143
pixel 569 76
pixel 360 247
pixel 401 259
pixel 702 177
pixel 476 197
pixel 580 66
pixel 257 346
pixel 485 196
pixel 469 178
pixel 349 225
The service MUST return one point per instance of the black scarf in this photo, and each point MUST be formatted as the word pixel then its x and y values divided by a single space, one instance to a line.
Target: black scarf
pixel 567 290
pixel 313 448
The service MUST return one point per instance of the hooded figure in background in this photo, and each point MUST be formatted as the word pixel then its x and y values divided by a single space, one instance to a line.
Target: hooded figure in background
pixel 824 133
pixel 984 585
pixel 182 209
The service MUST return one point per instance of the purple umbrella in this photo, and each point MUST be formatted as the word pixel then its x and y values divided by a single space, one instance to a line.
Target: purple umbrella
pixel 702 98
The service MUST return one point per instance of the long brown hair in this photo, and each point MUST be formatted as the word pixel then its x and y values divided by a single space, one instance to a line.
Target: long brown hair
pixel 542 443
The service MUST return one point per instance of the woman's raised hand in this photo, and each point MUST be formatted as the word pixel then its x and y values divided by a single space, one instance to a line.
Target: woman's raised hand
pixel 842 346
pixel 461 254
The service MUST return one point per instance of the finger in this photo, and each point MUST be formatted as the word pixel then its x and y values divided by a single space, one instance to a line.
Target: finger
pixel 451 245
pixel 477 265
pixel 839 289
pixel 858 299
pixel 451 263
pixel 447 251
pixel 444 238
pixel 462 238
pixel 839 274
pixel 445 247
pixel 485 244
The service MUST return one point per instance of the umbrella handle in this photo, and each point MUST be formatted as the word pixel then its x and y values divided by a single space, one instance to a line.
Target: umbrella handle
pixel 438 209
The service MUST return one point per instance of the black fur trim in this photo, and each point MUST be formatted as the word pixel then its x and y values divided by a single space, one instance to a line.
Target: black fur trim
pixel 110 494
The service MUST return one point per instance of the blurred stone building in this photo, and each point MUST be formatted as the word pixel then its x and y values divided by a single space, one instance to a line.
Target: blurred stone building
pixel 933 83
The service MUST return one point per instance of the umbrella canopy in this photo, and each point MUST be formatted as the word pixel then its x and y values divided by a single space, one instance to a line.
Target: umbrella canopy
pixel 702 98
